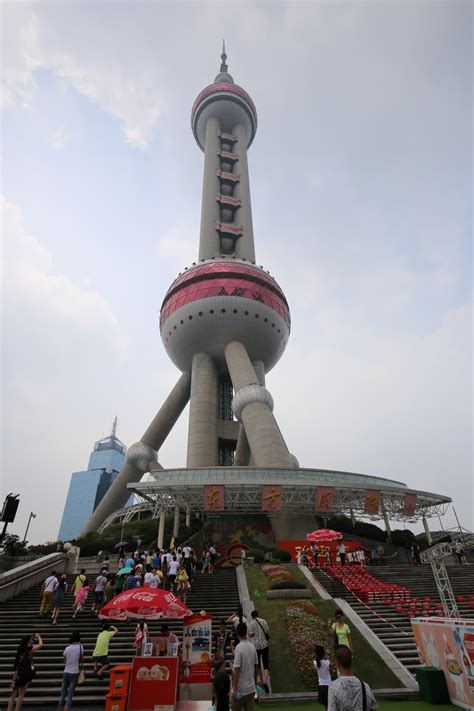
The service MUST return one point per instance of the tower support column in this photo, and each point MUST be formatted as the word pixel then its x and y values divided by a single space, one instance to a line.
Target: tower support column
pixel 244 248
pixel 386 521
pixel 161 529
pixel 143 454
pixel 176 521
pixel 429 537
pixel 209 244
pixel 188 517
pixel 203 413
pixel 253 406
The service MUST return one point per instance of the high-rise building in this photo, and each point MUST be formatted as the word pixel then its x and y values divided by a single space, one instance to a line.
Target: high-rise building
pixel 87 488
pixel 225 323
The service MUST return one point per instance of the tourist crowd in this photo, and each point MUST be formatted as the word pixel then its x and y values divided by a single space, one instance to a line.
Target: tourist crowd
pixel 245 641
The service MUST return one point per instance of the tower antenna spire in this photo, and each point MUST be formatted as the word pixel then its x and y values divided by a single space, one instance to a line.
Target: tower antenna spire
pixel 114 427
pixel 224 66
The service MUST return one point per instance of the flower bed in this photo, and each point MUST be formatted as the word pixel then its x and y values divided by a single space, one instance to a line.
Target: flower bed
pixel 305 630
pixel 280 578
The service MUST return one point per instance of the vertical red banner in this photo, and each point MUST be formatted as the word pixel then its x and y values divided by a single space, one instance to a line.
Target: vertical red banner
pixel 214 497
pixel 272 497
pixel 409 505
pixel 325 499
pixel 372 502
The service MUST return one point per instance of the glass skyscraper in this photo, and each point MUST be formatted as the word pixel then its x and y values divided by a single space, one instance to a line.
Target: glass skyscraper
pixel 87 488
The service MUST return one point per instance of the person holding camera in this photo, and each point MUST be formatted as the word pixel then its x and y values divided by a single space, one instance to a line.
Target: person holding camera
pixel 24 670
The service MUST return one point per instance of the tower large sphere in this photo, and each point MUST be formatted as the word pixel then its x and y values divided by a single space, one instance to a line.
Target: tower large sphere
pixel 218 301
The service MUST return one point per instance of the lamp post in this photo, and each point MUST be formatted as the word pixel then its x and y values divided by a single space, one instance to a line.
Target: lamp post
pixel 32 515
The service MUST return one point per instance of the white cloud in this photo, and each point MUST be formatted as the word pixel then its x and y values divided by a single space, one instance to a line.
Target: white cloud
pixel 59 139
pixel 39 37
pixel 62 348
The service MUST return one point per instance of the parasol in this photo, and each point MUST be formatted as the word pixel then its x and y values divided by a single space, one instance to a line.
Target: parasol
pixel 323 535
pixel 124 571
pixel 144 603
pixel 120 545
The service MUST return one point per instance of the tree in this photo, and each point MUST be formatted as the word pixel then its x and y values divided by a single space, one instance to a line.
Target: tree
pixel 13 546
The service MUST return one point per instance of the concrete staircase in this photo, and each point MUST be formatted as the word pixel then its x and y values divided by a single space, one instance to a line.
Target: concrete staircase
pixel 216 593
pixel 394 628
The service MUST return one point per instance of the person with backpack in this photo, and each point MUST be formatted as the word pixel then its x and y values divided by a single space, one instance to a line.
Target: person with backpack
pixel 79 582
pixel 59 597
pixel 47 593
pixel 73 658
pixel 24 670
pixel 259 635
pixel 348 692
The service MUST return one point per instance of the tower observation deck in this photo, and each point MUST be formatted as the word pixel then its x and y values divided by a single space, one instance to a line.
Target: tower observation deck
pixel 224 322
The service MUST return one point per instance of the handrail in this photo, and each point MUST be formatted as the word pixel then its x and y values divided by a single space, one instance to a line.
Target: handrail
pixel 14 581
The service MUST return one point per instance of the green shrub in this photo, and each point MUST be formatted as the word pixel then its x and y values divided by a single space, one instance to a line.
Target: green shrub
pixel 287 585
pixel 403 538
pixel 256 554
pixel 282 556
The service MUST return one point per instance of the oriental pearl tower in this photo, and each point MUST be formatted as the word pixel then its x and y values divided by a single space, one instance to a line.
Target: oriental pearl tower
pixel 224 321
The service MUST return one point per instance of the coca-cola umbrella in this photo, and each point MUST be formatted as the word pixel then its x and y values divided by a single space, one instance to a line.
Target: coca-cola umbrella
pixel 323 535
pixel 144 603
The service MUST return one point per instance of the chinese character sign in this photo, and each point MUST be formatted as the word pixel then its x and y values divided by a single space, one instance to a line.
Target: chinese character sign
pixel 372 502
pixel 325 499
pixel 409 504
pixel 214 497
pixel 272 498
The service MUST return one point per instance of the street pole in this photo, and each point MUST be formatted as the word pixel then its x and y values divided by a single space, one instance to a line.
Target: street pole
pixel 32 515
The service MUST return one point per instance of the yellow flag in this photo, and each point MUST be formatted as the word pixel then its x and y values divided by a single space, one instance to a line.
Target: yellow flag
pixel 172 543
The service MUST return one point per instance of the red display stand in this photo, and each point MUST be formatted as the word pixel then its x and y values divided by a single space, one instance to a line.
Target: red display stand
pixel 154 684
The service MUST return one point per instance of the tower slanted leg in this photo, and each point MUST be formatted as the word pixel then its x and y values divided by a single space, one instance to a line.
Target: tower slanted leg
pixel 242 452
pixel 253 406
pixel 142 454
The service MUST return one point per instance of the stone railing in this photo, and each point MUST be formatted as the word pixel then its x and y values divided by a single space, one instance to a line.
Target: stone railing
pixel 26 576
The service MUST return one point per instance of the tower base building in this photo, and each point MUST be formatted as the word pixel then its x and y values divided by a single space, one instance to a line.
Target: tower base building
pixel 225 323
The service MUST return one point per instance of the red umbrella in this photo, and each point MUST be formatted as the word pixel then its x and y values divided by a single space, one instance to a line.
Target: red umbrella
pixel 145 603
pixel 323 535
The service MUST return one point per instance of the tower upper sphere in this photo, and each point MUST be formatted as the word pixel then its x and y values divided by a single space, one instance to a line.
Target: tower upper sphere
pixel 226 100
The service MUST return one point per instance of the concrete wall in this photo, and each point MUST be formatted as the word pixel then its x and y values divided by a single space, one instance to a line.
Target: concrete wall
pixel 26 576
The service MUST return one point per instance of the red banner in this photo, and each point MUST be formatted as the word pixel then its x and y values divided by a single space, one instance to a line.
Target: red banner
pixel 409 505
pixel 197 649
pixel 372 502
pixel 214 497
pixel 325 499
pixel 272 497
pixel 153 678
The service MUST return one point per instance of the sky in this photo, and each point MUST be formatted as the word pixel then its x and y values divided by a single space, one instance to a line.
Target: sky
pixel 361 178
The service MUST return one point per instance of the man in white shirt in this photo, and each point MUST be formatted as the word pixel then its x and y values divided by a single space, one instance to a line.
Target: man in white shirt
pixel 244 675
pixel 341 549
pixel 173 568
pixel 348 691
pixel 47 593
pixel 149 579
